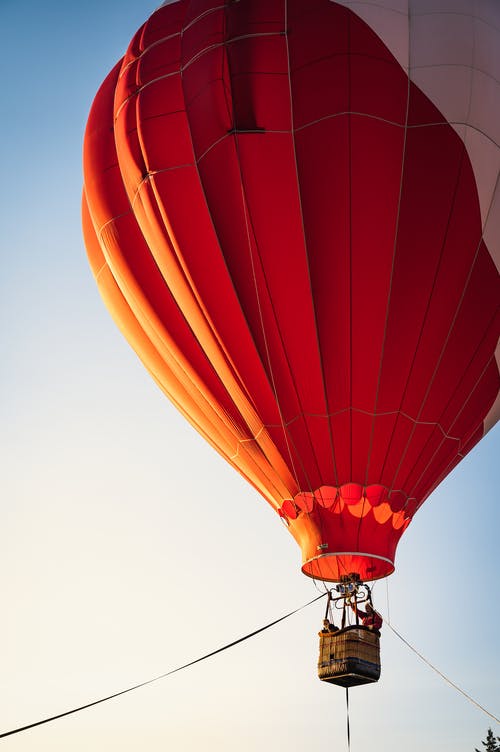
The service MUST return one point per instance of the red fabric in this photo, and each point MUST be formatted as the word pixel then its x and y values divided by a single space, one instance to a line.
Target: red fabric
pixel 372 620
pixel 310 271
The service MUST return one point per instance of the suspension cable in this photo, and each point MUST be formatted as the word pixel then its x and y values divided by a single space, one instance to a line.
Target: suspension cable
pixel 161 676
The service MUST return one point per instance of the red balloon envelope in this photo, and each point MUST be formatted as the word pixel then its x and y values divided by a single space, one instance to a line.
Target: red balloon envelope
pixel 292 212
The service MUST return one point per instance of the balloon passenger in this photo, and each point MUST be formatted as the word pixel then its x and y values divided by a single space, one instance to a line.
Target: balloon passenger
pixel 328 626
pixel 369 618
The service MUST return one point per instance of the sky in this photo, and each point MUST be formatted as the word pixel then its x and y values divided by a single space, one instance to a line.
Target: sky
pixel 128 547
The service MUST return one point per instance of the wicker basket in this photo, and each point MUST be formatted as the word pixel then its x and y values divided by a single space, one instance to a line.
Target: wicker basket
pixel 349 656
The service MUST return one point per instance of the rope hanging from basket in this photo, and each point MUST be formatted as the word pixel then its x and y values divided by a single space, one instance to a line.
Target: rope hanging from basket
pixel 347 716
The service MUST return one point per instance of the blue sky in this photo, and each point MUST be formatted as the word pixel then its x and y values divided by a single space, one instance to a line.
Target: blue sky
pixel 120 527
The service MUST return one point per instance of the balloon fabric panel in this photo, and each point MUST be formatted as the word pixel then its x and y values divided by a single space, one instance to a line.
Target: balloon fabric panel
pixel 288 232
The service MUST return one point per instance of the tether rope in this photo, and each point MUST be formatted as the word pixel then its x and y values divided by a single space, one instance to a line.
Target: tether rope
pixel 347 715
pixel 230 645
pixel 161 676
pixel 440 673
pixel 452 684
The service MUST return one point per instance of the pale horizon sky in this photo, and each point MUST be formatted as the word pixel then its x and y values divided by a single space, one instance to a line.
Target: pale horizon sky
pixel 128 547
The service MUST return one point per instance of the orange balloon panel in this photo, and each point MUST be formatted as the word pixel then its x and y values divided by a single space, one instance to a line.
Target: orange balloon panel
pixel 293 237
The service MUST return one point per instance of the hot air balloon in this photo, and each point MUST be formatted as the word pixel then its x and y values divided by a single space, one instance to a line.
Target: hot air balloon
pixel 292 212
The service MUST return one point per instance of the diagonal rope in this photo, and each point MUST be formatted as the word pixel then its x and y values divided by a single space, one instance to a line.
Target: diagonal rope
pixel 447 680
pixel 161 676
